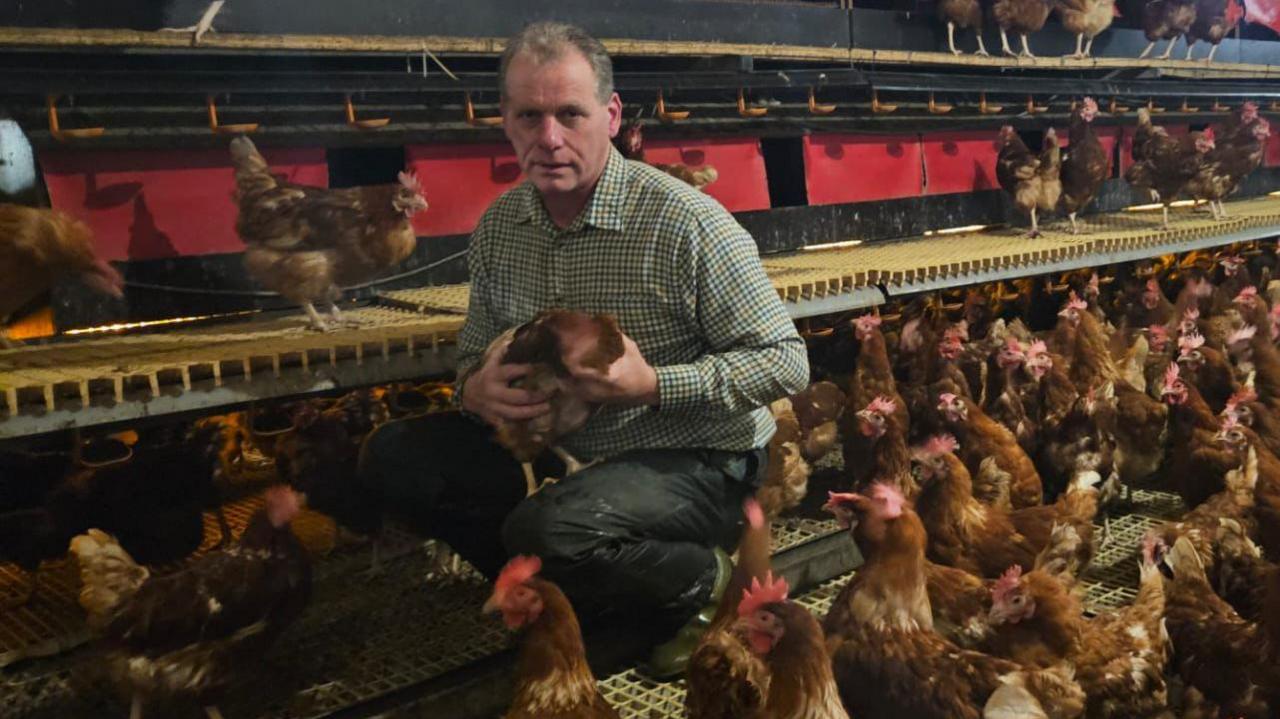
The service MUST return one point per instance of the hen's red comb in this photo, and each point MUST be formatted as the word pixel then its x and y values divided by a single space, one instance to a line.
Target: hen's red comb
pixel 835 499
pixel 1153 285
pixel 753 512
pixel 1190 342
pixel 1037 348
pixel 940 444
pixel 890 496
pixel 1248 294
pixel 1191 314
pixel 866 323
pixel 1075 303
pixel 1242 395
pixel 1158 332
pixel 1171 375
pixel 762 595
pixel 519 570
pixel 1006 584
pixel 947 397
pixel 882 405
pixel 1090 104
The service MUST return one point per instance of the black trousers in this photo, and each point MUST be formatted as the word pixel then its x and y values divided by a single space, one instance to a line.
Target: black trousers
pixel 635 532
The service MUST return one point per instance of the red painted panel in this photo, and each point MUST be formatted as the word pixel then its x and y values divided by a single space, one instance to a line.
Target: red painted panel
pixel 857 168
pixel 1108 136
pixel 1273 151
pixel 148 205
pixel 1126 145
pixel 460 182
pixel 959 162
pixel 741 185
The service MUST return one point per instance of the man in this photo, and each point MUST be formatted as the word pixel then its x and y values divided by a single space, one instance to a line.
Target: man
pixel 684 418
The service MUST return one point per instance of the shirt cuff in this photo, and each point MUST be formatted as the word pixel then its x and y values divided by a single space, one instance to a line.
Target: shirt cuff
pixel 679 387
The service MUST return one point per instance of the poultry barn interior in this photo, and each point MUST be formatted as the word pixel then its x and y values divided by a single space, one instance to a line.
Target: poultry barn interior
pixel 1039 291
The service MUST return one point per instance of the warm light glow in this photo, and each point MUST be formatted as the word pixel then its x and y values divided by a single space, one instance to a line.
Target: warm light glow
pixel 833 245
pixel 123 326
pixel 35 325
pixel 956 230
pixel 1274 194
pixel 1157 205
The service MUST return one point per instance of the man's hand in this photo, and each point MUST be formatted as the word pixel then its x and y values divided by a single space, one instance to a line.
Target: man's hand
pixel 631 380
pixel 489 394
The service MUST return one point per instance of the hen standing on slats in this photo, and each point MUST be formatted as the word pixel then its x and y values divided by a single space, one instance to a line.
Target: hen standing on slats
pixel 553 679
pixel 887 659
pixel 1022 17
pixel 1214 20
pixel 187 634
pixel 1086 165
pixel 964 14
pixel 1166 20
pixel 1228 163
pixel 1163 164
pixel 306 243
pixel 1085 19
pixel 1018 172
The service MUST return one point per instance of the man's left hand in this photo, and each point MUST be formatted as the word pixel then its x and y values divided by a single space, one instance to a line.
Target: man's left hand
pixel 631 380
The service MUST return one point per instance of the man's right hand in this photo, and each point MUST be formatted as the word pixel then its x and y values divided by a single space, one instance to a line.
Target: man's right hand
pixel 489 394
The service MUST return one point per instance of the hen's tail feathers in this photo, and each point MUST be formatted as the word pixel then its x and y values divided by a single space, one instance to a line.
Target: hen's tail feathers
pixel 1185 562
pixel 1046 693
pixel 1243 479
pixel 1061 556
pixel 753 559
pixel 252 172
pixel 786 480
pixel 108 574
pixel 992 485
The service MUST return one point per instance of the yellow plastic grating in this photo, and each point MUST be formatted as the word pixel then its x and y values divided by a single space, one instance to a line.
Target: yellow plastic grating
pixel 1112 577
pixel 445 298
pixel 53 622
pixel 105 370
pixel 806 274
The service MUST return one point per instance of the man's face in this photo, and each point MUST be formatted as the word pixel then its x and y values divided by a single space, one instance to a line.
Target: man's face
pixel 559 128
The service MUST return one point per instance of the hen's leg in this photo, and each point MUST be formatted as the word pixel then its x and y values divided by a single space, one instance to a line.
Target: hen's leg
pixel 1222 208
pixel 135 708
pixel 1213 50
pixel 205 25
pixel 531 483
pixel 571 464
pixel 1026 49
pixel 1075 229
pixel 982 47
pixel 1079 53
pixel 213 712
pixel 951 38
pixel 1150 46
pixel 317 322
pixel 1035 225
pixel 1168 51
pixel 1166 216
pixel 1004 44
pixel 341 319
pixel 1088 48
pixel 1191 46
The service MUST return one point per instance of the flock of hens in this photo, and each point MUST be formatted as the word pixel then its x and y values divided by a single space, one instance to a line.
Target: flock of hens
pixel 983 442
pixel 1196 20
pixel 1205 165
pixel 979 455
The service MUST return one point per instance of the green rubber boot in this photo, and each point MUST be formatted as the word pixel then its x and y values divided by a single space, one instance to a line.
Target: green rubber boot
pixel 669 659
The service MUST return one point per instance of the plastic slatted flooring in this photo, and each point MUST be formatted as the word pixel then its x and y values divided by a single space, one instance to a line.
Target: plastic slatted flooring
pixel 1111 581
pixel 414 620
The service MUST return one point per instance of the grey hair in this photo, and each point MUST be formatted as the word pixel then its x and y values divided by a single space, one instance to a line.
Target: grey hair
pixel 546 41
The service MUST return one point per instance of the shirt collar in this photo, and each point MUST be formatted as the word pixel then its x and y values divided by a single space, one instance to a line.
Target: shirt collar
pixel 605 208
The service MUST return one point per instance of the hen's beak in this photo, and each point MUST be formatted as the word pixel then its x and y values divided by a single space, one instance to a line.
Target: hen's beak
pixel 490 605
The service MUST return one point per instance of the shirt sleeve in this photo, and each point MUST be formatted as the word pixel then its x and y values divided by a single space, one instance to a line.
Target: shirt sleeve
pixel 479 329
pixel 756 356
